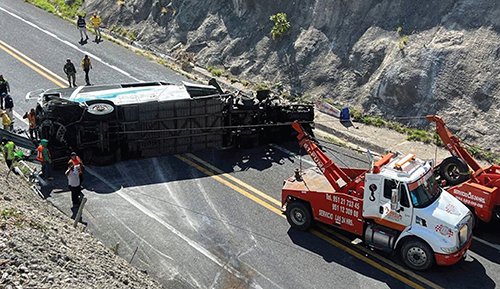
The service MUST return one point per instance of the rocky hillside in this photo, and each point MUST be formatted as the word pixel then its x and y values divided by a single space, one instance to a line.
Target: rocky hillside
pixel 392 58
pixel 39 248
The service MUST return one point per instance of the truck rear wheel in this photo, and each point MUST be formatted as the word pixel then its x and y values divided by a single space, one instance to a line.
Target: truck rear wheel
pixel 298 215
pixel 417 255
pixel 454 171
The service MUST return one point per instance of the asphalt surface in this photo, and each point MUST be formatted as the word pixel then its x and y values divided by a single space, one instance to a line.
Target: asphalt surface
pixel 209 219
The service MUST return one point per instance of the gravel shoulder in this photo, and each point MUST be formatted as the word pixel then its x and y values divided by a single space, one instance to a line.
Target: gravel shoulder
pixel 39 248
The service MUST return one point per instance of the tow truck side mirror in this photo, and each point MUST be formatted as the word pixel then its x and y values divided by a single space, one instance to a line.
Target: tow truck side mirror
pixel 395 199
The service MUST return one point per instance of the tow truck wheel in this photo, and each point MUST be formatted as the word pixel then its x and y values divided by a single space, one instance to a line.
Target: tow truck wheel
pixel 454 171
pixel 417 255
pixel 298 215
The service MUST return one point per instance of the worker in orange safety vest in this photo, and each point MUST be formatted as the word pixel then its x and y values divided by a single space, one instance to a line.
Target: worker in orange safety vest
pixel 43 156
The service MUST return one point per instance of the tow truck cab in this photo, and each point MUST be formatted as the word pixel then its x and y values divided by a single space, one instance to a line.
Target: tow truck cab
pixel 405 208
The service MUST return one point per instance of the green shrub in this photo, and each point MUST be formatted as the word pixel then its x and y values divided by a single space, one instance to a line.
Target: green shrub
pixel 373 120
pixel 420 135
pixel 281 24
pixel 58 7
pixel 215 71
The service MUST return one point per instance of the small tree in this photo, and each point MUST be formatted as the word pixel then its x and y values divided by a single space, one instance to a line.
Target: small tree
pixel 281 24
pixel 403 38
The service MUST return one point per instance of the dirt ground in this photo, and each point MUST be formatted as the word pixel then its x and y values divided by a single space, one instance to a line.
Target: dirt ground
pixel 40 248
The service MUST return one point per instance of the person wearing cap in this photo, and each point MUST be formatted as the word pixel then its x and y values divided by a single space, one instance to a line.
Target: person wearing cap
pixel 70 70
pixel 4 89
pixel 76 161
pixel 6 122
pixel 43 156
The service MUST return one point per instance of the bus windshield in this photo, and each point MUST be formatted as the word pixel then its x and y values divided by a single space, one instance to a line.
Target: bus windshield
pixel 424 191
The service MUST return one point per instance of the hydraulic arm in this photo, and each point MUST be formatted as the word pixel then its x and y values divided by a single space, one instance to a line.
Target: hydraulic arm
pixel 453 143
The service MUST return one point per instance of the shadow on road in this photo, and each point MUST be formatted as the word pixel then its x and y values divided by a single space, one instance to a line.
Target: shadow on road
pixel 143 172
pixel 332 254
pixel 468 273
pixel 487 241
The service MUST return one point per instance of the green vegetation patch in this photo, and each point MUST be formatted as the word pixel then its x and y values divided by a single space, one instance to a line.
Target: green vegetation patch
pixel 281 25
pixel 215 71
pixel 59 7
pixel 428 137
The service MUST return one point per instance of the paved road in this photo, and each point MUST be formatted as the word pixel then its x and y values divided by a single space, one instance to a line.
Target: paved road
pixel 209 219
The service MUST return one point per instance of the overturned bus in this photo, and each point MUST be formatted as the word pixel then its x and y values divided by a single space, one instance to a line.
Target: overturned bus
pixel 108 123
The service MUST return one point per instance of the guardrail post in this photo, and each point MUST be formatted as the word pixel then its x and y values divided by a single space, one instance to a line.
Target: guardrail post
pixel 79 213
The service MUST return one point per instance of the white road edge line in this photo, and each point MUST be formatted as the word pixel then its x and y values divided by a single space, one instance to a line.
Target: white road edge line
pixel 17 115
pixel 95 57
pixel 198 247
pixel 484 242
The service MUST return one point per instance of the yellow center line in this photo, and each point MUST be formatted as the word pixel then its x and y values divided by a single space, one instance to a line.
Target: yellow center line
pixel 31 64
pixel 366 260
pixel 324 227
pixel 38 68
pixel 230 185
pixel 387 261
pixel 238 181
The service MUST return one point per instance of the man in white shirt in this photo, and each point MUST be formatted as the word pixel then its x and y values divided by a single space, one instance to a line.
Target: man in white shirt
pixel 73 174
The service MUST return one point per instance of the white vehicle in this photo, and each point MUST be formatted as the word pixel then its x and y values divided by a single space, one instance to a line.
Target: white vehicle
pixel 395 206
pixel 107 123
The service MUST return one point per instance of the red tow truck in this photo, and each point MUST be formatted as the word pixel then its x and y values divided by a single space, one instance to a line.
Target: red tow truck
pixel 477 187
pixel 395 206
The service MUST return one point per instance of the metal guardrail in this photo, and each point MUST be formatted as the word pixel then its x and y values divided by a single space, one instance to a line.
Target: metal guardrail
pixel 20 140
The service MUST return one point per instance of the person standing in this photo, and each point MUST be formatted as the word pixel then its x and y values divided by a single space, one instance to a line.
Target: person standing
pixel 82 26
pixel 31 116
pixel 9 153
pixel 70 71
pixel 9 109
pixel 96 23
pixel 4 89
pixel 76 161
pixel 6 122
pixel 43 156
pixel 73 174
pixel 86 66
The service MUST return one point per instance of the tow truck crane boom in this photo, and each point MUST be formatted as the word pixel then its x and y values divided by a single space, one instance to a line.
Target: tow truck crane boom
pixel 452 142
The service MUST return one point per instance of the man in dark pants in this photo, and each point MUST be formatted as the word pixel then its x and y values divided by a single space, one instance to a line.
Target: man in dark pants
pixel 73 174
pixel 70 71
pixel 4 89
pixel 86 66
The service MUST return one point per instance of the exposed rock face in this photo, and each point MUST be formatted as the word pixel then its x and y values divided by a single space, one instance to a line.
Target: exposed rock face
pixel 347 50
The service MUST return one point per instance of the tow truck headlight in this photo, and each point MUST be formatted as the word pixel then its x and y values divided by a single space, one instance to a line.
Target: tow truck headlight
pixel 449 250
pixel 463 234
